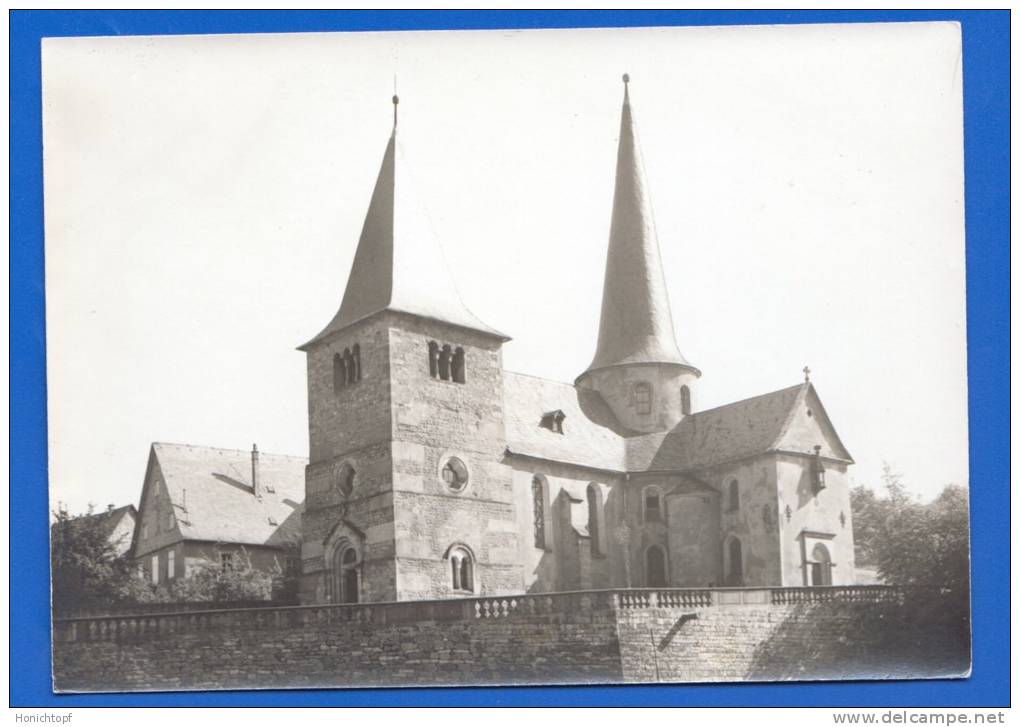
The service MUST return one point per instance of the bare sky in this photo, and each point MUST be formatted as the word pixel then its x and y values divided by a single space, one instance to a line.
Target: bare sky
pixel 204 196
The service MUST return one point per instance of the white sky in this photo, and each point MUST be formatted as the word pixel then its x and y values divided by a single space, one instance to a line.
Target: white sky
pixel 204 196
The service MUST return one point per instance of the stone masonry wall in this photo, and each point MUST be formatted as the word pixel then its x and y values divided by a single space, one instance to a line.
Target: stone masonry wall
pixel 803 641
pixel 679 635
pixel 406 644
pixel 434 420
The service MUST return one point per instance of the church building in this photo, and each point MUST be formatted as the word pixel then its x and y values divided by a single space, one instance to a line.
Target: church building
pixel 435 473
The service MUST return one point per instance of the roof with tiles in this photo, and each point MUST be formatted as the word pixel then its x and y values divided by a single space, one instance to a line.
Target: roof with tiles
pixel 109 519
pixel 593 437
pixel 211 491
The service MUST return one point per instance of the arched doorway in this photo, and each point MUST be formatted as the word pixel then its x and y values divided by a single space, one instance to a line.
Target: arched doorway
pixel 821 566
pixel 735 572
pixel 655 567
pixel 345 575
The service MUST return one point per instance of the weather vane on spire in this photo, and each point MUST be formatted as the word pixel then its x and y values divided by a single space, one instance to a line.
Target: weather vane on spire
pixel 396 100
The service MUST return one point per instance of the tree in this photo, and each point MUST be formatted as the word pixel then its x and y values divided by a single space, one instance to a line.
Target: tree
pixel 927 544
pixel 910 542
pixel 86 571
pixel 871 512
pixel 89 576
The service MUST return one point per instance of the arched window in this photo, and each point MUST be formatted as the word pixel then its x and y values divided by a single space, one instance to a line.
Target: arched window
pixel 734 496
pixel 652 504
pixel 655 567
pixel 345 479
pixel 538 506
pixel 345 575
pixel 433 359
pixel 339 373
pixel 685 399
pixel 643 397
pixel 444 363
pixel 458 365
pixel 735 574
pixel 821 566
pixel 349 365
pixel 596 520
pixel 356 358
pixel 462 569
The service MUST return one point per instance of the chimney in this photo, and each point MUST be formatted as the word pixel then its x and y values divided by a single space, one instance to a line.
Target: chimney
pixel 255 471
pixel 111 507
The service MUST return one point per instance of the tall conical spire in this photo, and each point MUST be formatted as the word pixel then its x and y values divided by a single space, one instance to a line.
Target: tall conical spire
pixel 399 264
pixel 636 324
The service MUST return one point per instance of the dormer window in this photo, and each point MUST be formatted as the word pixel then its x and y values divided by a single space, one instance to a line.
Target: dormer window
pixel 553 421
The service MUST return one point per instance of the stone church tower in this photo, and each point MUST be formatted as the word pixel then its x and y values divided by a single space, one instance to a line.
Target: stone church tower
pixel 435 473
pixel 405 415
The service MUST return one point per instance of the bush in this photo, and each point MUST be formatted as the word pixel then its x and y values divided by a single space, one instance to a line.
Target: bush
pixel 210 582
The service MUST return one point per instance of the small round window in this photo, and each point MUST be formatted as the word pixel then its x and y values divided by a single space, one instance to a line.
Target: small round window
pixel 455 474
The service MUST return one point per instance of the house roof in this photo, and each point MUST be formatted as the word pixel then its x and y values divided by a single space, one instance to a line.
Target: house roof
pixel 399 264
pixel 112 517
pixel 211 491
pixel 713 436
pixel 592 436
pixel 108 519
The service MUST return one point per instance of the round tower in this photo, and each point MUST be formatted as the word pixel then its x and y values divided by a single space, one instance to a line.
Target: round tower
pixel 638 367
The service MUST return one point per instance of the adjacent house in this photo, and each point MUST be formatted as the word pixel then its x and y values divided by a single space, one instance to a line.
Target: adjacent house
pixel 203 505
pixel 117 525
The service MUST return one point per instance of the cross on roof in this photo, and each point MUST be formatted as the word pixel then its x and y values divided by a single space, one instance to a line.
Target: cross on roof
pixel 807 373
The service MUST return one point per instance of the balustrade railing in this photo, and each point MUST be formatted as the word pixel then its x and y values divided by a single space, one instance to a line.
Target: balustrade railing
pixel 158 625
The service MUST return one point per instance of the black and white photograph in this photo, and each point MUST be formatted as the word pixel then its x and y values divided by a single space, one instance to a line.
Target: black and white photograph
pixel 531 357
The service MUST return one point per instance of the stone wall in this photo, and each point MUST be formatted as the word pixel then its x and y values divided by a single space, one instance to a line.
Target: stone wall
pixel 750 638
pixel 585 637
pixel 435 420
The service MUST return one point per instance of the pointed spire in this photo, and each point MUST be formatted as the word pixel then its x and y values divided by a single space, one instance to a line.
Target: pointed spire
pixel 636 324
pixel 399 264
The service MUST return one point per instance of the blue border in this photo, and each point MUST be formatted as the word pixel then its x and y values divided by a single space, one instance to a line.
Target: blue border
pixel 986 122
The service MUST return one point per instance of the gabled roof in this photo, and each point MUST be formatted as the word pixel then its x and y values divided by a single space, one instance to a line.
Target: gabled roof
pixel 211 491
pixel 636 325
pixel 593 437
pixel 399 264
pixel 109 519
pixel 713 436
